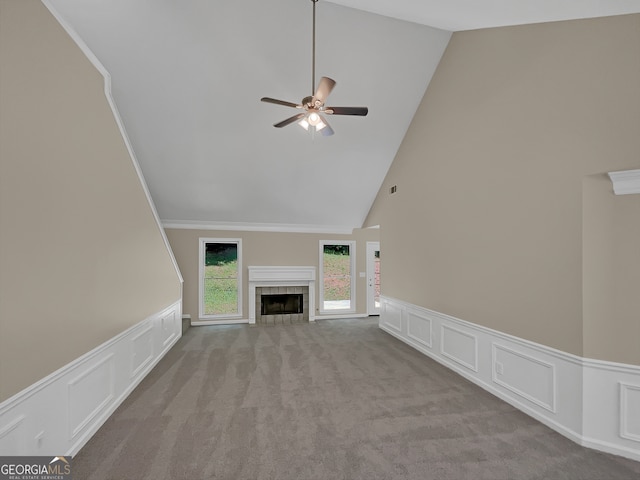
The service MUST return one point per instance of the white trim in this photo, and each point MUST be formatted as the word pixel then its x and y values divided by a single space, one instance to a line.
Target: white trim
pixel 625 408
pixel 61 412
pixel 625 182
pixel 549 405
pixel 222 318
pixel 94 408
pixel 584 399
pixel 607 426
pixel 457 358
pixel 258 227
pixel 418 334
pixel 595 364
pixel 200 323
pixel 15 423
pixel 391 317
pixel 338 317
pixel 281 276
pixel 285 273
pixel 352 274
pixel 138 365
pixel 116 115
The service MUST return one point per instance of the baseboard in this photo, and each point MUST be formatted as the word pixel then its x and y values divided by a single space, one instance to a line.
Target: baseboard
pixel 186 322
pixel 60 413
pixel 338 316
pixel 200 323
pixel 593 403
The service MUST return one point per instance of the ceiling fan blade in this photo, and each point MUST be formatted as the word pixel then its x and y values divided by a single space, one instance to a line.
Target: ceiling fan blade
pixel 362 111
pixel 289 120
pixel 280 102
pixel 324 89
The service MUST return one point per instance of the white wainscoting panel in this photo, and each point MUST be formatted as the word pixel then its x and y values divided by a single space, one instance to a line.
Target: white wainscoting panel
pixel 594 403
pixel 89 394
pixel 13 433
pixel 60 413
pixel 612 407
pixel 630 411
pixel 524 375
pixel 168 331
pixel 142 350
pixel 392 316
pixel 459 346
pixel 419 328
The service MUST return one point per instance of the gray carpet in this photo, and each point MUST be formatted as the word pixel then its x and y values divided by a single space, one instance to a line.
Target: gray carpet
pixel 336 400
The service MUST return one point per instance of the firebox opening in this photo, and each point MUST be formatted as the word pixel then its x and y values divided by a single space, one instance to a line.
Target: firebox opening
pixel 281 304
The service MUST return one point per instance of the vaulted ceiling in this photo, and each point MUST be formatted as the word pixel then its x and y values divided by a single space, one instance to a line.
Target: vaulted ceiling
pixel 187 78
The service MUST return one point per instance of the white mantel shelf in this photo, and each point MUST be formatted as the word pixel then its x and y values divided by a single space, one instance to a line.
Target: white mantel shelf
pixel 625 182
pixel 281 276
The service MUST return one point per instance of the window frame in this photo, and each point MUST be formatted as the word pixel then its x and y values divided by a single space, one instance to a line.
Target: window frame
pixel 352 266
pixel 201 271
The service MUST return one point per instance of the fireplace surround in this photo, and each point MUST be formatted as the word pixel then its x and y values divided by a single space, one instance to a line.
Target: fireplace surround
pixel 282 280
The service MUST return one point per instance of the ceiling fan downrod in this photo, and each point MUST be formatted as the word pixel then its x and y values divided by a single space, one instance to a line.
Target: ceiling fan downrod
pixel 312 118
pixel 313 52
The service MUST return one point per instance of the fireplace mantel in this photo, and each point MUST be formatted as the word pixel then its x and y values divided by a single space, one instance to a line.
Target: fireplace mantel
pixel 281 276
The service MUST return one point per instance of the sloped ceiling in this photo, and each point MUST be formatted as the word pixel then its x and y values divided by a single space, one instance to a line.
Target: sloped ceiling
pixel 456 15
pixel 187 77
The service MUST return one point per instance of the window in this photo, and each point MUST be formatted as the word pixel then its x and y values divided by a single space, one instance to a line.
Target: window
pixel 220 278
pixel 337 286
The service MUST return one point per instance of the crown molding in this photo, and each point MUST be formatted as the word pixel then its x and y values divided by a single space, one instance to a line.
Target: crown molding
pixel 257 227
pixel 625 182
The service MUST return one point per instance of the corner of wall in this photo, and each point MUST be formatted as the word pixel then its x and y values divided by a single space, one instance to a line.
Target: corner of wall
pixel 593 403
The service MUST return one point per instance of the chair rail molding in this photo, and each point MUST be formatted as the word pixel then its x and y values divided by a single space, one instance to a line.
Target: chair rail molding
pixel 592 402
pixel 61 412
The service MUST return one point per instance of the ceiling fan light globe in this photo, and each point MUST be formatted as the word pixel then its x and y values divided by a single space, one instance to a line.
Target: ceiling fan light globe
pixel 314 119
pixel 304 124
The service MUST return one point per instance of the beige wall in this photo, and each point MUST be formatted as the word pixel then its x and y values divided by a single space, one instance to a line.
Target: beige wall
pixel 81 256
pixel 611 272
pixel 265 248
pixel 487 222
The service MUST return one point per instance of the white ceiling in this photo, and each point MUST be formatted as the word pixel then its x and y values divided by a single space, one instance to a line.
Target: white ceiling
pixel 456 15
pixel 188 76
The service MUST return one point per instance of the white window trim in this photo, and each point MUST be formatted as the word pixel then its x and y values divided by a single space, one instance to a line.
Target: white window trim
pixel 352 261
pixel 201 259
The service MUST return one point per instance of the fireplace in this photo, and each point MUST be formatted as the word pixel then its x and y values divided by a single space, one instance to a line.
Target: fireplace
pixel 281 303
pixel 281 295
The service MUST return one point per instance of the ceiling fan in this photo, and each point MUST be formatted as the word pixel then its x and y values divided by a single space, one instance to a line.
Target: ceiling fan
pixel 312 118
